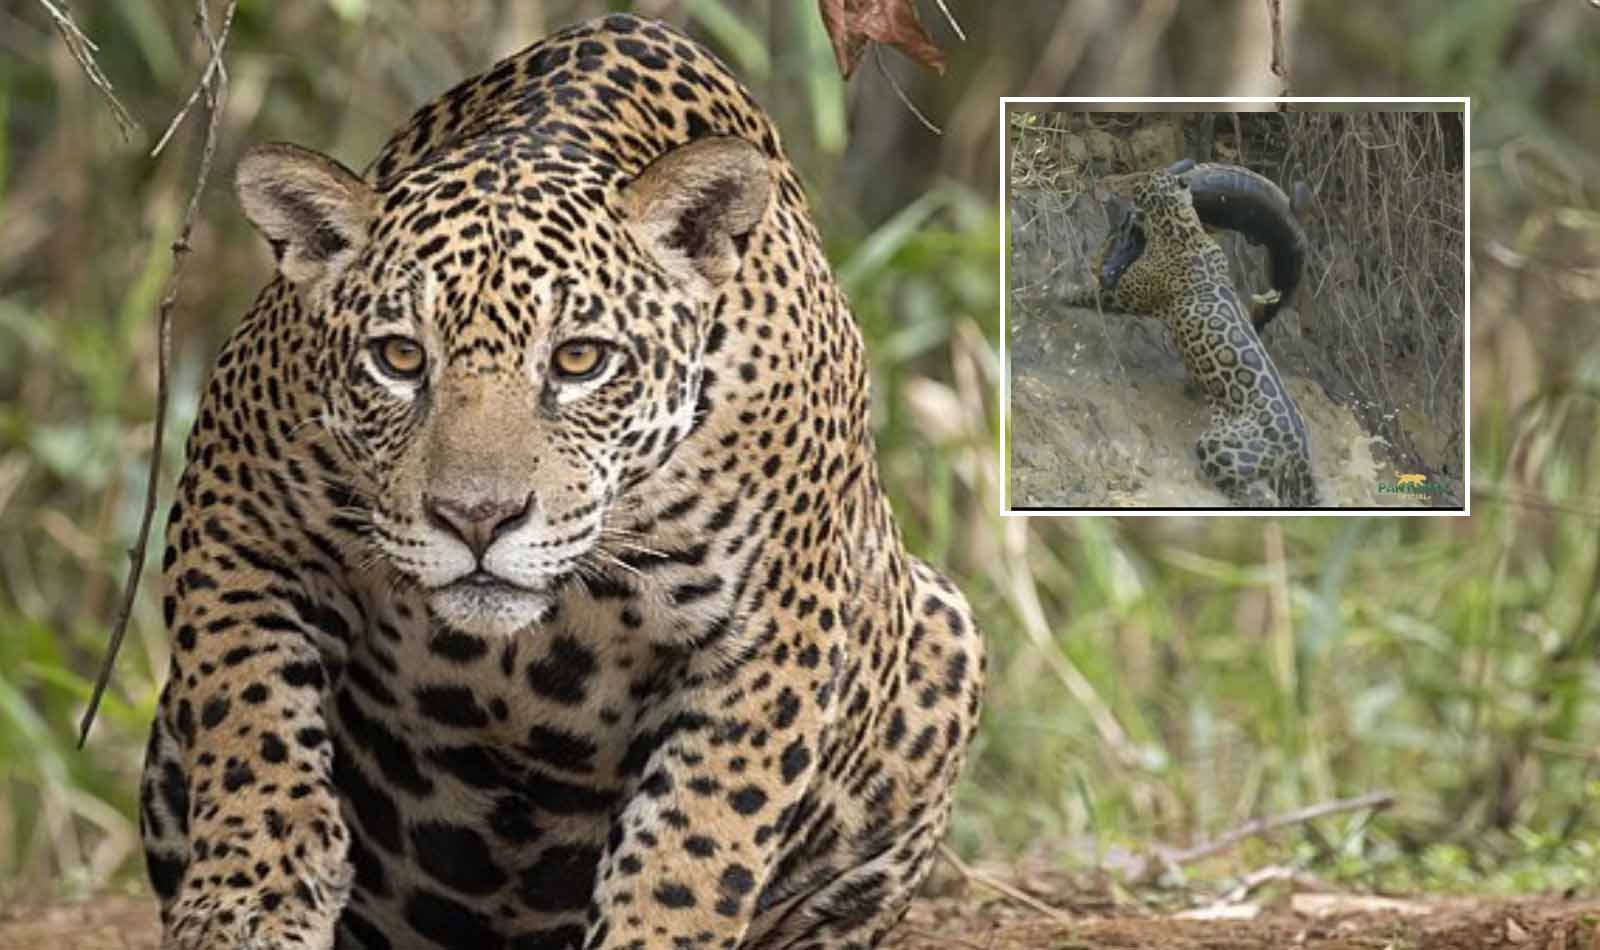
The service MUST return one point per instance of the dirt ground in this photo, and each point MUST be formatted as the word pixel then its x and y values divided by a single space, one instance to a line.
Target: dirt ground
pixel 1103 415
pixel 1312 922
pixel 973 923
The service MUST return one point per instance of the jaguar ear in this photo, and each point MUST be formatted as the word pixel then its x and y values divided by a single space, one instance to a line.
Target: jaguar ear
pixel 690 204
pixel 312 210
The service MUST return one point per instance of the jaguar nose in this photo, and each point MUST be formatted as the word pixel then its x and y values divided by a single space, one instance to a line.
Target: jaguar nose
pixel 477 523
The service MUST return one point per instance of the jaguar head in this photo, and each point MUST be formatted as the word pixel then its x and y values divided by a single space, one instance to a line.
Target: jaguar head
pixel 507 343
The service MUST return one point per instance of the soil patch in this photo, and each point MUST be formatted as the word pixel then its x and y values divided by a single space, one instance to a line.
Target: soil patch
pixel 125 923
pixel 1455 924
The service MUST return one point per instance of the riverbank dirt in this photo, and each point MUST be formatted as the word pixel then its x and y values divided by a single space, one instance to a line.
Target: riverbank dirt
pixel 973 922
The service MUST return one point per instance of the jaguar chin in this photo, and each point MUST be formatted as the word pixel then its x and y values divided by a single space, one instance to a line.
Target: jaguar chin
pixel 488 605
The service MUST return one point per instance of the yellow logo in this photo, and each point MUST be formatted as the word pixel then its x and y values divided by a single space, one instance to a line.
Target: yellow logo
pixel 1410 483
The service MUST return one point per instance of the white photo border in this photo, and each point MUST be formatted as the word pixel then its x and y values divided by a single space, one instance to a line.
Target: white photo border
pixel 1465 511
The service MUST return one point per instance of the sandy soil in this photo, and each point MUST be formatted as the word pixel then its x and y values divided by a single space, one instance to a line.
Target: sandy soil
pixel 1103 415
pixel 1431 925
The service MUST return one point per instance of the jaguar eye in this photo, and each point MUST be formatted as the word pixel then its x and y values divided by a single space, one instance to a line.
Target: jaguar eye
pixel 399 356
pixel 578 360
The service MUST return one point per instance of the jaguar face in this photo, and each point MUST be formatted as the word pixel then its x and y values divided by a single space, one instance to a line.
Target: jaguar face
pixel 514 345
pixel 1162 196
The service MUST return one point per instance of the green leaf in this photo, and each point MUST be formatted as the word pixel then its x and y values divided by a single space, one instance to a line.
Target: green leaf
pixel 824 85
pixel 737 39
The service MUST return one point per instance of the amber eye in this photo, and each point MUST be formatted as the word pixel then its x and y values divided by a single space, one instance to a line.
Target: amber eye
pixel 578 360
pixel 399 356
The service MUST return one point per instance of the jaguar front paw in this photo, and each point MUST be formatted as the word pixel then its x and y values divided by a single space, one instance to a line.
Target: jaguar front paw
pixel 276 884
pixel 224 916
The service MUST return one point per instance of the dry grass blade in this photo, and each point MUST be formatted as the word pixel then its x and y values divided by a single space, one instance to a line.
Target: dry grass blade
pixel 1022 591
pixel 215 84
pixel 1006 890
pixel 83 49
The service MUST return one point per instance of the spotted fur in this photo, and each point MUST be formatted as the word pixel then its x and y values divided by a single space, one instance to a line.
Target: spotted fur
pixel 480 645
pixel 1159 260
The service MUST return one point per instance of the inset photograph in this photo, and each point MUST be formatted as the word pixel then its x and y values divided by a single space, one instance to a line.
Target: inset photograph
pixel 1229 311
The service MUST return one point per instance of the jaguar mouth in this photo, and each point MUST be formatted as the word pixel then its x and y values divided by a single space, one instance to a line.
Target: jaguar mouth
pixel 484 579
pixel 485 603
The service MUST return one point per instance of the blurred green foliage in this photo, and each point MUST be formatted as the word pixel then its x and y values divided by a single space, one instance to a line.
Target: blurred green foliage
pixel 1152 680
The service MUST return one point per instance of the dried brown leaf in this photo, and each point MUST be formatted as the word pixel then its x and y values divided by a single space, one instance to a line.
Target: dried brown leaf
pixel 852 24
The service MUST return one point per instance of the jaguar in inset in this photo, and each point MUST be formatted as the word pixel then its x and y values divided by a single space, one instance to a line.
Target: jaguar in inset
pixel 1233 198
pixel 1160 261
pixel 530 580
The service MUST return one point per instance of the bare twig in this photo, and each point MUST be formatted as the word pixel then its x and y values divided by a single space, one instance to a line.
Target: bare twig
pixel 215 83
pixel 950 19
pixel 207 80
pixel 1375 801
pixel 1267 875
pixel 877 58
pixel 83 49
pixel 1005 890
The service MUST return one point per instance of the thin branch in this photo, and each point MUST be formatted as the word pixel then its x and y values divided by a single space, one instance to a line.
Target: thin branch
pixel 1006 890
pixel 213 66
pixel 1267 875
pixel 950 19
pixel 877 57
pixel 215 84
pixel 1376 801
pixel 83 49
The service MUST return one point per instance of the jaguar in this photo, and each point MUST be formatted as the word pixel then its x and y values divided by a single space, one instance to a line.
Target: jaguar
pixel 530 579
pixel 1161 261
